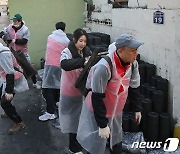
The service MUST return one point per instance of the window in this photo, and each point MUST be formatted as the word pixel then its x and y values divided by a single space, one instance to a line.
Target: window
pixel 118 3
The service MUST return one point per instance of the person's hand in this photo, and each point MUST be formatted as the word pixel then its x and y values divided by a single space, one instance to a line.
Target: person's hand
pixel 138 117
pixel 104 132
pixel 8 96
pixel 13 40
pixel 86 60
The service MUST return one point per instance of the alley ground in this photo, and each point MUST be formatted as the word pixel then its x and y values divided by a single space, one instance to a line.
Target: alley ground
pixel 38 137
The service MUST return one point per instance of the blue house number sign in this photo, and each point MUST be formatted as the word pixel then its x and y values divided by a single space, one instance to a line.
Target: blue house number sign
pixel 158 17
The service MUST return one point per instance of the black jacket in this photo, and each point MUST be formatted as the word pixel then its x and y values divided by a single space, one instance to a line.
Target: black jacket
pixel 77 61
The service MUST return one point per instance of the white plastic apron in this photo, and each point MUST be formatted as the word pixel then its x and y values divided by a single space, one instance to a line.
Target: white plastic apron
pixel 23 32
pixel 57 42
pixel 87 134
pixel 70 100
pixel 7 64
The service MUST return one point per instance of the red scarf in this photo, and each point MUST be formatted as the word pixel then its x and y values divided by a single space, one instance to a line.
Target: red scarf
pixel 120 69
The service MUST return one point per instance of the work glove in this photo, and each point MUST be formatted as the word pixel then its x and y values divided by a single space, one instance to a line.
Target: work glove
pixel 104 132
pixel 137 117
pixel 86 60
pixel 8 96
pixel 13 40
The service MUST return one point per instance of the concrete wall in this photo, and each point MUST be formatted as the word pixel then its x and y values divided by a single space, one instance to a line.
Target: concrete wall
pixel 162 42
pixel 41 15
pixel 3 8
pixel 3 2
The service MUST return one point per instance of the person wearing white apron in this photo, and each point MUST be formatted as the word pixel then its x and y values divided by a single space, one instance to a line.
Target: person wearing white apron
pixel 56 43
pixel 101 115
pixel 17 36
pixel 73 59
pixel 11 81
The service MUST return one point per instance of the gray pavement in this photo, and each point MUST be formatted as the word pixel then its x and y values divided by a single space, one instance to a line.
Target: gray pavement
pixel 38 137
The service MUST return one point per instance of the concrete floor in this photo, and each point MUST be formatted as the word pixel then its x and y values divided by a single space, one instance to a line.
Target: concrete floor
pixel 38 137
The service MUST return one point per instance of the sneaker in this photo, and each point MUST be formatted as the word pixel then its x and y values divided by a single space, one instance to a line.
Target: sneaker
pixel 4 115
pixel 80 152
pixel 36 85
pixel 47 116
pixel 16 127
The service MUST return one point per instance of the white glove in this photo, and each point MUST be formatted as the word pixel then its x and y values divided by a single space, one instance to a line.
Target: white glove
pixel 86 60
pixel 104 132
pixel 13 40
pixel 138 117
pixel 8 96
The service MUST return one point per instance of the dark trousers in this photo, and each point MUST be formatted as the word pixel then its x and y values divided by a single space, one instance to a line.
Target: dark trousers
pixel 74 145
pixel 10 110
pixel 33 78
pixel 116 149
pixel 52 97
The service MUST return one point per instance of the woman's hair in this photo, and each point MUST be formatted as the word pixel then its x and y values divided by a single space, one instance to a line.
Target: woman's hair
pixel 78 33
pixel 60 25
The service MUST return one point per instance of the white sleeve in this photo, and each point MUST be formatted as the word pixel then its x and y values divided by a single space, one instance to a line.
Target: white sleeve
pixel 65 54
pixel 6 63
pixel 135 78
pixel 100 79
pixel 26 34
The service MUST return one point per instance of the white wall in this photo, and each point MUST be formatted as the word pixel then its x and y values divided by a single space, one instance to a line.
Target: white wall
pixel 3 8
pixel 3 2
pixel 162 42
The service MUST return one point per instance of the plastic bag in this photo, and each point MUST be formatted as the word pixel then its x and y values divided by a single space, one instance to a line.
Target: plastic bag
pixel 129 139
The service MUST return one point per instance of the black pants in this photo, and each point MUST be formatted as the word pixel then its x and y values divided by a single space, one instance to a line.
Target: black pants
pixel 10 110
pixel 33 78
pixel 116 149
pixel 74 145
pixel 51 96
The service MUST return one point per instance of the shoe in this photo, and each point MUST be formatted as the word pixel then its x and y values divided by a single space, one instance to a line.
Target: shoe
pixel 36 85
pixel 47 116
pixel 4 115
pixel 16 127
pixel 80 152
